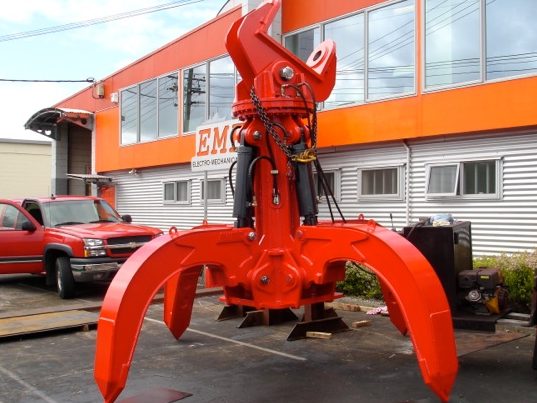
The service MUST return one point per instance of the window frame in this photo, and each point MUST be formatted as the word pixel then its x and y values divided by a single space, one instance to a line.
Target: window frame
pixel 459 185
pixel 138 110
pixel 456 185
pixel 175 200
pixel 400 180
pixel 337 185
pixel 414 53
pixel 366 11
pixel 223 191
pixel 207 64
pixel 483 57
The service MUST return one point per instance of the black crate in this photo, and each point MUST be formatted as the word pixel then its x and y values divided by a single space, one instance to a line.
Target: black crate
pixel 449 251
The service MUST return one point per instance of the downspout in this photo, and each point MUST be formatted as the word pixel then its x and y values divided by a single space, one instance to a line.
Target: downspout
pixel 407 182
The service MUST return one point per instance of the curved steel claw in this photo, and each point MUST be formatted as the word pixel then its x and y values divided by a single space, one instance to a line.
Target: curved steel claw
pixel 176 259
pixel 414 296
pixel 277 263
pixel 412 290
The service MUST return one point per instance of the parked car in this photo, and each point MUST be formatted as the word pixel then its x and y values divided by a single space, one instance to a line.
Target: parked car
pixel 68 239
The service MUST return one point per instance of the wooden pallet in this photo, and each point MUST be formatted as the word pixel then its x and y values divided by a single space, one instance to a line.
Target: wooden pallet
pixel 47 322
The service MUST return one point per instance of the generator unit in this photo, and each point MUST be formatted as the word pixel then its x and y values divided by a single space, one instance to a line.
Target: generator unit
pixel 481 291
pixel 477 298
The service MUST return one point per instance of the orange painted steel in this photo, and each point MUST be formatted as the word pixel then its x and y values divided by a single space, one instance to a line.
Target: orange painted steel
pixel 272 260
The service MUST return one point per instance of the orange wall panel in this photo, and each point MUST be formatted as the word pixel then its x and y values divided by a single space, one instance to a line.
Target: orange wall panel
pixel 300 13
pixel 111 156
pixel 494 106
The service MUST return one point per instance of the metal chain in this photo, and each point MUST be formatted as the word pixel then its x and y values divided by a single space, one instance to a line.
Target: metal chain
pixel 269 127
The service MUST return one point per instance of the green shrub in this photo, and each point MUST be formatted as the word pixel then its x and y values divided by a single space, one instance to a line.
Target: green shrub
pixel 360 281
pixel 517 272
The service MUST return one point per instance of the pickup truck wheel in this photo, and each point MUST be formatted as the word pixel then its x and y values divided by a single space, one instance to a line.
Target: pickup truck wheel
pixel 64 278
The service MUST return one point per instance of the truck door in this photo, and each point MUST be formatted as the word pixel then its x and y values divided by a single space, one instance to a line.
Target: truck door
pixel 21 240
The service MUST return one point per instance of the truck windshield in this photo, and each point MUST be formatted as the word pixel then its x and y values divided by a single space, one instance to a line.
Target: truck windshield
pixel 70 212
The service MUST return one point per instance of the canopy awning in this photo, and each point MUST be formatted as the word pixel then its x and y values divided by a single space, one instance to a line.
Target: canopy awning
pixel 46 120
pixel 92 178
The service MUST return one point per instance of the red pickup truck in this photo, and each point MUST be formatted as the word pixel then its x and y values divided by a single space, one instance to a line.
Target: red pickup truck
pixel 68 239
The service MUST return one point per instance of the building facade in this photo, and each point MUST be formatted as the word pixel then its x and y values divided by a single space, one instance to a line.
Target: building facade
pixel 433 111
pixel 25 167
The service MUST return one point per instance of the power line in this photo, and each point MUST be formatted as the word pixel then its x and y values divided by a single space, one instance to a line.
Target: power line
pixel 87 80
pixel 95 21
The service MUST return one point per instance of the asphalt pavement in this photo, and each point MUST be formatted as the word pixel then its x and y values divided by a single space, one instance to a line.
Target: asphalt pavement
pixel 218 362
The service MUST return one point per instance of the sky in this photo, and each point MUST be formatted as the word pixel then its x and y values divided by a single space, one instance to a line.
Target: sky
pixel 95 51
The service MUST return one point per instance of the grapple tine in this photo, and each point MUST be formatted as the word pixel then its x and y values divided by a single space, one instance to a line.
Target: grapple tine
pixel 179 294
pixel 177 258
pixel 396 316
pixel 415 294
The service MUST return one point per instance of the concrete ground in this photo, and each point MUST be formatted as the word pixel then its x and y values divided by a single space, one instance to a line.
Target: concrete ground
pixel 217 362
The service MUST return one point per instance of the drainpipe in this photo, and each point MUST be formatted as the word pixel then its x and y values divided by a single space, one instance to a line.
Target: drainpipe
pixel 407 182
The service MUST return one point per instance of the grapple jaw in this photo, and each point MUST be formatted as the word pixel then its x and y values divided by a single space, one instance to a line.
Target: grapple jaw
pixel 273 261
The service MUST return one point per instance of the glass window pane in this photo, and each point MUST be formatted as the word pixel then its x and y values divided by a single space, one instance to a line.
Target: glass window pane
pixel 511 38
pixel 12 218
pixel 442 179
pixel 379 182
pixel 168 191
pixel 167 105
pixel 303 43
pixel 194 97
pixel 221 88
pixel 182 191
pixel 480 177
pixel 391 50
pixel 129 115
pixel 148 110
pixel 452 42
pixel 214 189
pixel 348 34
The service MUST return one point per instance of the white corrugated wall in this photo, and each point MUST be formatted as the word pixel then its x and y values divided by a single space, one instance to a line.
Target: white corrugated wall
pixel 508 224
pixel 505 225
pixel 141 196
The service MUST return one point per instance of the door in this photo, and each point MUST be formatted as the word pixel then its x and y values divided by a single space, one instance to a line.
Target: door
pixel 21 240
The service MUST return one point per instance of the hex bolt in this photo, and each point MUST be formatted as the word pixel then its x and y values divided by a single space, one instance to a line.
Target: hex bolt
pixel 287 73
pixel 257 135
pixel 264 280
pixel 251 236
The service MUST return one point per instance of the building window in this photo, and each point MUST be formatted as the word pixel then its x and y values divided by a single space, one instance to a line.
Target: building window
pixel 168 103
pixel 443 180
pixel 334 179
pixel 380 183
pixel 216 190
pixel 303 43
pixel 388 68
pixel 208 93
pixel 149 110
pixel 391 48
pixel 460 49
pixel 221 88
pixel 479 177
pixel 194 97
pixel 452 42
pixel 177 192
pixel 348 33
pixel 511 38
pixel 129 115
pixel 470 179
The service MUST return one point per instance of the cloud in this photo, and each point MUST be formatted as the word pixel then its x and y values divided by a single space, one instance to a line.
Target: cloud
pixel 97 50
pixel 18 102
